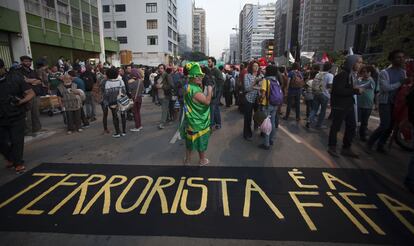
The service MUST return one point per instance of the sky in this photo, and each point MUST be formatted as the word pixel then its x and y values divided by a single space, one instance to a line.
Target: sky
pixel 221 17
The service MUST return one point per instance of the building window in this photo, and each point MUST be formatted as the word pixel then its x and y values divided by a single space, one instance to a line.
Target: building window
pixel 122 40
pixel 63 10
pixel 105 8
pixel 107 24
pixel 95 24
pixel 151 7
pixel 174 22
pixel 152 40
pixel 152 24
pixel 121 24
pixel 120 8
pixel 169 18
pixel 86 21
pixel 170 46
pixel 75 17
pixel 170 32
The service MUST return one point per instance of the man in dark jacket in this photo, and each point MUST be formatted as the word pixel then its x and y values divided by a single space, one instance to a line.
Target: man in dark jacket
pixel 15 92
pixel 89 79
pixel 218 79
pixel 342 102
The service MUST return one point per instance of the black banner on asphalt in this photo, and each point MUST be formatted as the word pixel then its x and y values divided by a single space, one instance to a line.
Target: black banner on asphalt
pixel 305 204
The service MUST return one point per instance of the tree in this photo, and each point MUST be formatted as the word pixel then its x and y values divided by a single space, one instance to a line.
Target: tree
pixel 194 56
pixel 398 34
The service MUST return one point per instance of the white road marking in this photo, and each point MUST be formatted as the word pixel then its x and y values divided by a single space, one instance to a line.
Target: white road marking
pixel 175 137
pixel 292 136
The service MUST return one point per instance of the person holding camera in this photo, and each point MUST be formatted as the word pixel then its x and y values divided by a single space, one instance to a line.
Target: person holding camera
pixel 14 95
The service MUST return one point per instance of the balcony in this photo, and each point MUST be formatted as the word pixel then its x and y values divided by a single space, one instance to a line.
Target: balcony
pixel 371 13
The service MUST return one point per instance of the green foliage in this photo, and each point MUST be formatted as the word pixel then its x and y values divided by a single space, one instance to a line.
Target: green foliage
pixel 194 56
pixel 337 57
pixel 399 34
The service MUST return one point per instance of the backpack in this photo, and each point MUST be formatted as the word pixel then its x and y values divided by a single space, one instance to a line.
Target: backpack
pixel 275 94
pixel 297 81
pixel 88 80
pixel 317 83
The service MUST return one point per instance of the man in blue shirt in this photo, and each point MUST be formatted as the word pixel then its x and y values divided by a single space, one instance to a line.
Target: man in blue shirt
pixel 389 80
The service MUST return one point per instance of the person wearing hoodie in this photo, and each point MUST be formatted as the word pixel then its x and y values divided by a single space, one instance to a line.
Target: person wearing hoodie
pixel 390 80
pixel 136 88
pixel 115 86
pixel 342 101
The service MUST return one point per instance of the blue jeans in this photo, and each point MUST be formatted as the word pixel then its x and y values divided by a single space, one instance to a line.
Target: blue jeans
pixel 90 105
pixel 215 112
pixel 293 97
pixel 384 130
pixel 322 101
pixel 271 110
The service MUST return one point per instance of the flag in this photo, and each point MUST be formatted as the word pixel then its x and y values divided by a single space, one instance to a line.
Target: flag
pixel 325 58
pixel 291 59
pixel 350 52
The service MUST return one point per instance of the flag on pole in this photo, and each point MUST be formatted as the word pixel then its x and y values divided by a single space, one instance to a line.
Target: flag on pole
pixel 291 59
pixel 325 58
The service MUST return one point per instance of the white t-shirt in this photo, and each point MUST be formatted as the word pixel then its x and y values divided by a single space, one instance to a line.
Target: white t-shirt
pixel 327 81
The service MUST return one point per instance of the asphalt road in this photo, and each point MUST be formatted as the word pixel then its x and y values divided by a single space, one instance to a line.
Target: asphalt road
pixel 295 146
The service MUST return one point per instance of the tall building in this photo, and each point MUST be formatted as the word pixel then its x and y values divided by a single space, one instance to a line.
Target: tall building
pixel 234 48
pixel 148 28
pixel 317 25
pixel 263 29
pixel 286 26
pixel 371 18
pixel 51 29
pixel 257 23
pixel 185 26
pixel 248 18
pixel 199 30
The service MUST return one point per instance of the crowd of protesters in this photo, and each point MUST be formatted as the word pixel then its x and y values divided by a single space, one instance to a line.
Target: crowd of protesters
pixel 184 94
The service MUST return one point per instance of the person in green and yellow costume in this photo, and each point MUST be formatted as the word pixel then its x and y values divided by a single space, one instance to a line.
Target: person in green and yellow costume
pixel 195 127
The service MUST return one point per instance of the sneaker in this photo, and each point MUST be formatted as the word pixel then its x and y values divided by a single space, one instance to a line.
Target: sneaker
pixel 332 152
pixel 123 134
pixel 80 130
pixel 262 146
pixel 69 132
pixel 134 129
pixel 140 128
pixel 161 126
pixel 349 153
pixel 20 169
pixel 117 135
pixel 218 127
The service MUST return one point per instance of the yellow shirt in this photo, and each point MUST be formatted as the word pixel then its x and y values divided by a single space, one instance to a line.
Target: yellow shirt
pixel 265 86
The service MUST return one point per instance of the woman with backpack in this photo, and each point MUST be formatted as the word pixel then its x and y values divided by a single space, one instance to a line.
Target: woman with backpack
pixel 295 85
pixel 271 99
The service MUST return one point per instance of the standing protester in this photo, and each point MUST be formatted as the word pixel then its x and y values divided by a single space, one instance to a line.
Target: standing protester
pixel 218 80
pixel 228 88
pixel 81 86
pixel 70 99
pixel 101 76
pixel 284 81
pixel 343 90
pixel 365 101
pixel 54 78
pixel 251 87
pixel 321 95
pixel 164 85
pixel 15 93
pixel 389 80
pixel 309 96
pixel 89 78
pixel 240 87
pixel 195 128
pixel 295 85
pixel 154 92
pixel 271 99
pixel 136 88
pixel 114 87
pixel 33 124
